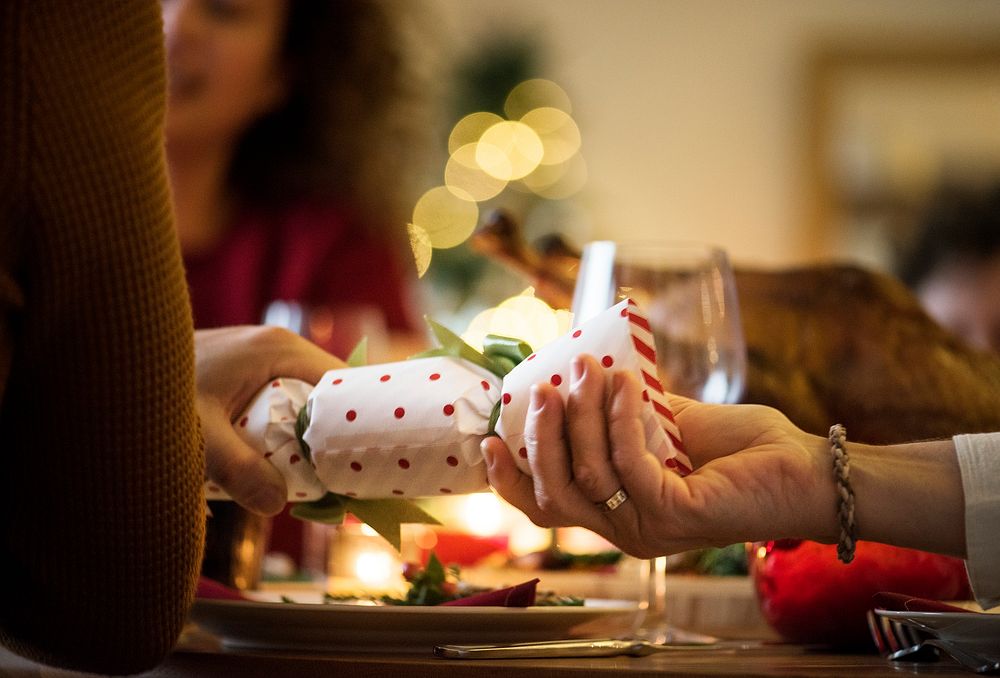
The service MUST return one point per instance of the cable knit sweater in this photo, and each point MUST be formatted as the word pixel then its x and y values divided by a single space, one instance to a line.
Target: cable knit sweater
pixel 101 462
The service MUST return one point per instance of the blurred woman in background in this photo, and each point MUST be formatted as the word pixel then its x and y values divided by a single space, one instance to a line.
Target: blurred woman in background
pixel 292 138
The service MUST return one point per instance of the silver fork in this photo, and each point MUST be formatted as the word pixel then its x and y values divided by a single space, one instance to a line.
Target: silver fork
pixel 595 647
pixel 969 660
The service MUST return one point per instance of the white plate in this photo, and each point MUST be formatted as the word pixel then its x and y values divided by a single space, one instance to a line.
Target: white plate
pixel 974 631
pixel 321 626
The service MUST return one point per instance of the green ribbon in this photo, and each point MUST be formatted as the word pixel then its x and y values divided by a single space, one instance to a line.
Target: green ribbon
pixel 500 355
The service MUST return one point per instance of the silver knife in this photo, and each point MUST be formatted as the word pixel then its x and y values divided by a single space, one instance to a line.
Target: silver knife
pixel 589 647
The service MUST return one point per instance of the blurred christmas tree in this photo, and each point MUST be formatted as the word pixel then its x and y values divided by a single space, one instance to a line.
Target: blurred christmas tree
pixel 481 82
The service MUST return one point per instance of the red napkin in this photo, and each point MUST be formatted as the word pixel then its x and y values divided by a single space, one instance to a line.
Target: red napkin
pixel 213 590
pixel 521 595
pixel 904 603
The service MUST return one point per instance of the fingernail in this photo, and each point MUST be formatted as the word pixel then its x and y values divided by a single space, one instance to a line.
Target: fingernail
pixel 537 399
pixel 578 369
pixel 487 451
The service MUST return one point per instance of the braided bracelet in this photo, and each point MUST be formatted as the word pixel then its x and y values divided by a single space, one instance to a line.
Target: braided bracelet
pixel 845 510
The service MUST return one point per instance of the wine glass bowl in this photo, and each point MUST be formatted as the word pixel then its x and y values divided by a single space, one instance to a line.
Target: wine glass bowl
pixel 689 295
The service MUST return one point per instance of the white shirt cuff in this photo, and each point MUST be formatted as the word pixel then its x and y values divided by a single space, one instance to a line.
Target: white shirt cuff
pixel 979 461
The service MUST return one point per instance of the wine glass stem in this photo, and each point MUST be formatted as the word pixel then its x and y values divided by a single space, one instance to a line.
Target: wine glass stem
pixel 655 626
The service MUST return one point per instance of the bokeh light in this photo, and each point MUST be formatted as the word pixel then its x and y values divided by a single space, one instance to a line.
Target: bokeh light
pixel 463 176
pixel 420 243
pixel 535 150
pixel 558 132
pixel 524 317
pixel 558 182
pixel 375 568
pixel 482 514
pixel 447 218
pixel 509 150
pixel 470 128
pixel 535 93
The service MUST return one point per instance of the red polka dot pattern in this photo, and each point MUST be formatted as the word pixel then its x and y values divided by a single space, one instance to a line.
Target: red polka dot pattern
pixel 385 378
pixel 506 399
pixel 448 410
pixel 485 384
pixel 624 312
pixel 355 466
pixel 399 413
pixel 435 377
pixel 530 357
pixel 275 384
pixel 576 335
pixel 523 453
pixel 404 464
pixel 452 461
pixel 555 379
pixel 607 361
pixel 337 381
pixel 351 415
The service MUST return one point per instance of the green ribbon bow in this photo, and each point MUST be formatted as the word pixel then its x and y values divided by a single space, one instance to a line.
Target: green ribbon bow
pixel 500 355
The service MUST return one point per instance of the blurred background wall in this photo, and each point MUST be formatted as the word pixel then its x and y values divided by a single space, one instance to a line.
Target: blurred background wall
pixel 786 130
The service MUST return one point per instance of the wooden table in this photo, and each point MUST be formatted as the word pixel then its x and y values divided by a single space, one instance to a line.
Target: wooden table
pixel 772 661
pixel 768 660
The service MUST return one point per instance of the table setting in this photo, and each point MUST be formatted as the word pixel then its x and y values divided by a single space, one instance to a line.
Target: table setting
pixel 461 395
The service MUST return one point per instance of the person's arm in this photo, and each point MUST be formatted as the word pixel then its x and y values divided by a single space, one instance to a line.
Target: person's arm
pixel 757 476
pixel 101 503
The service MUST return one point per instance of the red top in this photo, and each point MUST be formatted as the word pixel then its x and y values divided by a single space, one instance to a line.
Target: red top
pixel 311 255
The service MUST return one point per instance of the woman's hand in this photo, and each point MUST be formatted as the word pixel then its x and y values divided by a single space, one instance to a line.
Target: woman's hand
pixel 756 476
pixel 231 365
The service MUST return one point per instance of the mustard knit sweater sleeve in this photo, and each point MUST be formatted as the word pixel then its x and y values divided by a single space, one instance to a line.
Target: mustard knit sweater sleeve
pixel 101 462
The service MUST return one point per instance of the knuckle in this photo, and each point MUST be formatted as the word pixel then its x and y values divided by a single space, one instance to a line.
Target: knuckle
pixel 587 477
pixel 548 504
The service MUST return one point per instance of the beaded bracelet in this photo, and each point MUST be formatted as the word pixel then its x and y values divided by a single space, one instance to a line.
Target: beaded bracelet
pixel 845 509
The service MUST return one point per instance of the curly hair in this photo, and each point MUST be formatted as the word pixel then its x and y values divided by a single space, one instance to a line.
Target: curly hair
pixel 352 125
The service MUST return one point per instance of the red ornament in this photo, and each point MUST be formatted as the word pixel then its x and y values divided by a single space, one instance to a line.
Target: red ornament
pixel 809 596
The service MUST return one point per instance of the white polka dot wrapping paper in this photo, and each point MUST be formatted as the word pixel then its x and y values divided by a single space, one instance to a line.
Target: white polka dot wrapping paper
pixel 413 428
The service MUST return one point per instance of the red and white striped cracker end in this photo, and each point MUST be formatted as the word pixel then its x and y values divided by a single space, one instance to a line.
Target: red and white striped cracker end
pixel 672 452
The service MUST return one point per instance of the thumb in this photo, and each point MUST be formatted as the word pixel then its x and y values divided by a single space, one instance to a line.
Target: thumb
pixel 237 468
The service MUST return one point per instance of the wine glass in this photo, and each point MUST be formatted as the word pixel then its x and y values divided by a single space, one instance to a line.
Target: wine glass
pixel 688 292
